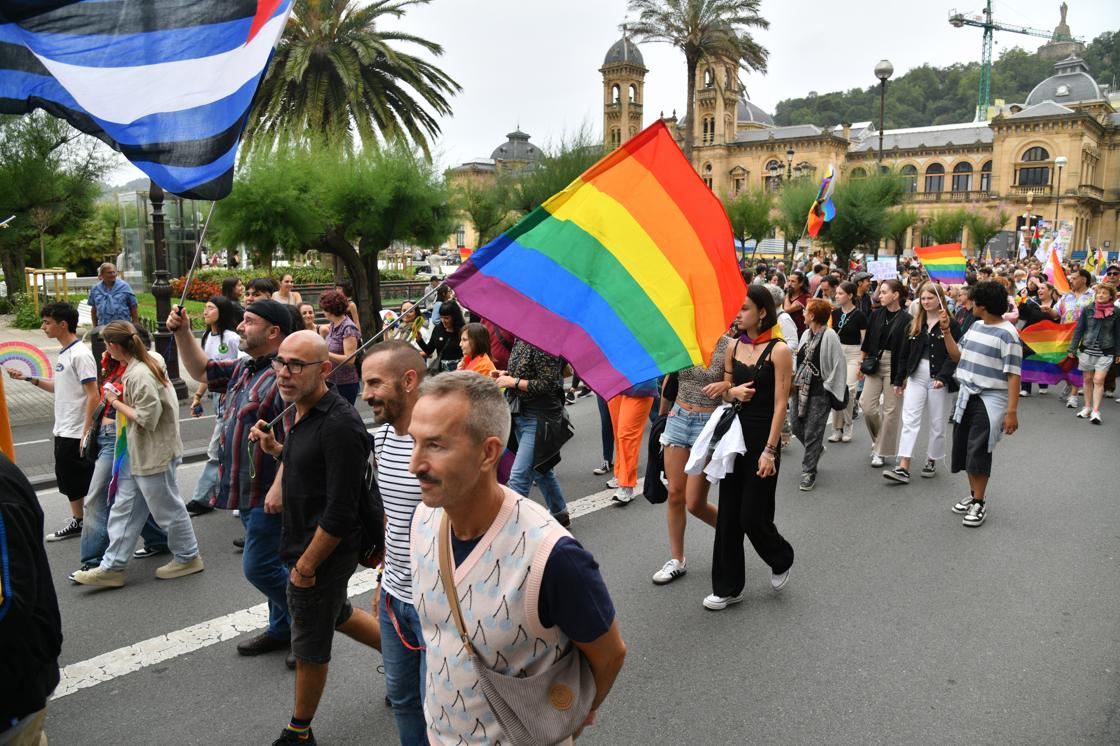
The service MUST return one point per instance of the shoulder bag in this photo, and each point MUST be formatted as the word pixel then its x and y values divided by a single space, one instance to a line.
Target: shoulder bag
pixel 538 710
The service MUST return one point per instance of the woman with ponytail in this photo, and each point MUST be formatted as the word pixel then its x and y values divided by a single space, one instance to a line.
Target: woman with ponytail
pixel 146 479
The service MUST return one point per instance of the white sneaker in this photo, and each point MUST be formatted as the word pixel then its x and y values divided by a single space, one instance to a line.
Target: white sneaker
pixel 623 496
pixel 1024 393
pixel 877 461
pixel 612 483
pixel 1083 413
pixel 846 437
pixel 718 603
pixel 1071 402
pixel 669 572
pixel 1095 418
pixel 835 437
pixel 778 582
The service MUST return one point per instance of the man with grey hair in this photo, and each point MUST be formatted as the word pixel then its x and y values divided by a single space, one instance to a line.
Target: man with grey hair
pixel 112 299
pixel 495 540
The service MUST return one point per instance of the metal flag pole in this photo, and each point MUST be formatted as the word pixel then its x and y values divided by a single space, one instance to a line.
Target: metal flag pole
pixel 197 254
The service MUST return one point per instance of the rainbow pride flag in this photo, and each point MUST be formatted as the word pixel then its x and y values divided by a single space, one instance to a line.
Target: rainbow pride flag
pixel 1056 274
pixel 944 263
pixel 628 273
pixel 120 453
pixel 1048 342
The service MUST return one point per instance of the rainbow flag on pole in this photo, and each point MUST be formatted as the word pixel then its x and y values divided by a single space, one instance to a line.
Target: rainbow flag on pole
pixel 1056 274
pixel 822 210
pixel 1048 342
pixel 944 263
pixel 628 273
pixel 120 453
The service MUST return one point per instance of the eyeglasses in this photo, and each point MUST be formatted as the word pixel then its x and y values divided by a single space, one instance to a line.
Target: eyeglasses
pixel 295 367
pixel 1112 274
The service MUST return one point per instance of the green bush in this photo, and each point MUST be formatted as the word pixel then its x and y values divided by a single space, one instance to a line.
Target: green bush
pixel 301 275
pixel 26 315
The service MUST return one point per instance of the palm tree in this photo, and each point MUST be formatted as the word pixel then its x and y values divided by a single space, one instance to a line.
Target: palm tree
pixel 335 74
pixel 702 30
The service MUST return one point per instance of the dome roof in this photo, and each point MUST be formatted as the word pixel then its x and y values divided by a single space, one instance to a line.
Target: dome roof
pixel 747 112
pixel 516 148
pixel 1070 82
pixel 624 51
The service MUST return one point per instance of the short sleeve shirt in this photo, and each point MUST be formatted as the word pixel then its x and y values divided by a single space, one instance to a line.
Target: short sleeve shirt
pixel 112 304
pixel 1070 306
pixel 75 367
pixel 346 328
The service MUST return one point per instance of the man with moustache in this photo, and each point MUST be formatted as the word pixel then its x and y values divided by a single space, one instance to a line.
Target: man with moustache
pixel 391 376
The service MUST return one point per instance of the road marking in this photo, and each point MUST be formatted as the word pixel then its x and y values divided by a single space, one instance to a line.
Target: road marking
pixel 32 442
pixel 132 658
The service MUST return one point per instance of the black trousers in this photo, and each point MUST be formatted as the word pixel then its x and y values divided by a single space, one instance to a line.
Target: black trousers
pixel 746 508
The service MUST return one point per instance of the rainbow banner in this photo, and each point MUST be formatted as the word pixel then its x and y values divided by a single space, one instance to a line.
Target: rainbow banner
pixel 628 274
pixel 120 453
pixel 1048 342
pixel 27 356
pixel 944 263
pixel 822 210
pixel 1056 274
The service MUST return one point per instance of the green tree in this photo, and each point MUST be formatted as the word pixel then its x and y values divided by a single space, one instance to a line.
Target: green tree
pixel 335 73
pixel 794 201
pixel 749 212
pixel 897 224
pixel 862 207
pixel 487 205
pixel 703 30
pixel 562 164
pixel 946 226
pixel 89 242
pixel 983 228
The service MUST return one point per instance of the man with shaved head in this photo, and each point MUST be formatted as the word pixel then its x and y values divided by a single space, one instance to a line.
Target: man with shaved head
pixel 322 461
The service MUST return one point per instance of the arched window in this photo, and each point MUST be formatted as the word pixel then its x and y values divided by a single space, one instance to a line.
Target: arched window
pixel 633 93
pixel 1033 175
pixel 986 177
pixel 709 78
pixel 709 136
pixel 962 177
pixel 616 94
pixel 773 171
pixel 1036 154
pixel 616 137
pixel 707 174
pixel 859 173
pixel 935 178
pixel 910 176
pixel 728 80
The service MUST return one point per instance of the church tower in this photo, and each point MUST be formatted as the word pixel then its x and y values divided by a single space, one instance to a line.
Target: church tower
pixel 624 74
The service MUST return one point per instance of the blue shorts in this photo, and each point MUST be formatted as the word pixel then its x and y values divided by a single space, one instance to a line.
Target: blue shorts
pixel 683 427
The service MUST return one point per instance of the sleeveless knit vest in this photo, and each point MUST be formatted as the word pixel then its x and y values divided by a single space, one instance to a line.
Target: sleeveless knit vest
pixel 499 588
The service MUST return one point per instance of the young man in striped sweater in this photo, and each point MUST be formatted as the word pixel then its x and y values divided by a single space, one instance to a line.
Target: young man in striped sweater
pixel 989 364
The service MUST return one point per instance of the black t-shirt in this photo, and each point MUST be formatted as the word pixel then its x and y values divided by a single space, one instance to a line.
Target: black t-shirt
pixel 324 460
pixel 849 325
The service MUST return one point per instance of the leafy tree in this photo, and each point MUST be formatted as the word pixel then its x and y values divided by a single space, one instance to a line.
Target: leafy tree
pixel 794 201
pixel 862 206
pixel 897 224
pixel 562 164
pixel 749 212
pixel 946 226
pixel 335 73
pixel 982 228
pixel 703 30
pixel 85 245
pixel 487 205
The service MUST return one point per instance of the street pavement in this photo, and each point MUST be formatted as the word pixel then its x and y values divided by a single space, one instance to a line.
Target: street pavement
pixel 898 626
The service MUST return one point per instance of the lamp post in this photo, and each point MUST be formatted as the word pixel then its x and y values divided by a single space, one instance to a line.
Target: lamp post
pixel 1060 162
pixel 161 289
pixel 775 177
pixel 883 71
pixel 789 163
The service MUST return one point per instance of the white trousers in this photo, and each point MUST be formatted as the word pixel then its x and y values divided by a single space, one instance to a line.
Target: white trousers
pixel 918 394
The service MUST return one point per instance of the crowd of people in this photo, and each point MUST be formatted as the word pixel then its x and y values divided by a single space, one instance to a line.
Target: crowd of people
pixel 467 418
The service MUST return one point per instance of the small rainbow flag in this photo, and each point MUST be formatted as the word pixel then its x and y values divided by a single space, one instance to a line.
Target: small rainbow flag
pixel 1048 342
pixel 465 253
pixel 944 263
pixel 822 210
pixel 27 356
pixel 628 273
pixel 120 453
pixel 1056 274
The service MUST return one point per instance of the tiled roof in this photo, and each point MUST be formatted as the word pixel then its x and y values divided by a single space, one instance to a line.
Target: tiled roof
pixel 966 133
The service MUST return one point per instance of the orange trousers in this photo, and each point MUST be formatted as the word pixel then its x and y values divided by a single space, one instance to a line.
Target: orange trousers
pixel 628 416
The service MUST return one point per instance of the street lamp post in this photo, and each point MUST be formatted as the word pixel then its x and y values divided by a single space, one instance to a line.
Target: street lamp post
pixel 1060 162
pixel 789 163
pixel 883 71
pixel 161 289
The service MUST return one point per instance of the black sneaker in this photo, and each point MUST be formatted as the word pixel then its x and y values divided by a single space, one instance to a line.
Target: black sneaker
pixel 197 507
pixel 962 507
pixel 261 644
pixel 239 542
pixel 975 515
pixel 71 530
pixel 290 661
pixel 563 519
pixel 897 474
pixel 808 482
pixel 930 469
pixel 145 552
pixel 83 568
pixel 289 737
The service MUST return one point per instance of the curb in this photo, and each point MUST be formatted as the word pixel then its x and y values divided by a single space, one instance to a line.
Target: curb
pixel 49 482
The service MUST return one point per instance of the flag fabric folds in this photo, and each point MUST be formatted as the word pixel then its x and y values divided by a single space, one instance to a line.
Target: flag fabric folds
pixel 1048 342
pixel 628 273
pixel 1090 258
pixel 944 263
pixel 1056 274
pixel 120 453
pixel 167 83
pixel 822 209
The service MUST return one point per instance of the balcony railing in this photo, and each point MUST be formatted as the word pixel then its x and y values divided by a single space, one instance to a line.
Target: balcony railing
pixel 1022 191
pixel 1088 190
pixel 974 196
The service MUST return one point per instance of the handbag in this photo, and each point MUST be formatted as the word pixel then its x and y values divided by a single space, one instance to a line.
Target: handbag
pixel 869 366
pixel 91 447
pixel 538 710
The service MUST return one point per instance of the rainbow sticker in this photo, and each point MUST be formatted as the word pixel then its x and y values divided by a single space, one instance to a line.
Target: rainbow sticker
pixel 26 357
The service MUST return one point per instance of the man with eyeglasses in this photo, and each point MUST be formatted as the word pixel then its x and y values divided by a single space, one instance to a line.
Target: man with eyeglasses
pixel 321 477
pixel 246 474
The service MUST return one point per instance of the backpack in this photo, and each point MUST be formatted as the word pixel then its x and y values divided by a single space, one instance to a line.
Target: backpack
pixel 371 520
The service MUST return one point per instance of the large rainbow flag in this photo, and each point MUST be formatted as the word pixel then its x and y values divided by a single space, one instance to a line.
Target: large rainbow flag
pixel 1048 342
pixel 944 263
pixel 628 274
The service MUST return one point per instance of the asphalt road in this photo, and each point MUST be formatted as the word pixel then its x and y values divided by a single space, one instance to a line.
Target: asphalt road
pixel 899 625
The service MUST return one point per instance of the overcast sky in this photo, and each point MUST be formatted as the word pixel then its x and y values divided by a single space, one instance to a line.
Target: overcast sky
pixel 535 64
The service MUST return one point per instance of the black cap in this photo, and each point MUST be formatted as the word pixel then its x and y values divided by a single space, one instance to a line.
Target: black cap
pixel 273 312
pixel 859 277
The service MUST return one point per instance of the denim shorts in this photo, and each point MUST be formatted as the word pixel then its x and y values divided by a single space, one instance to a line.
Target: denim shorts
pixel 318 611
pixel 683 427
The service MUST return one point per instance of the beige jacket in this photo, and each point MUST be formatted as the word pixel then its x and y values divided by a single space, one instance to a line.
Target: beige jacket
pixel 153 435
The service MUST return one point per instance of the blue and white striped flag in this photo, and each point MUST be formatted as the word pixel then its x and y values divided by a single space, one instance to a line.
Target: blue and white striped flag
pixel 168 83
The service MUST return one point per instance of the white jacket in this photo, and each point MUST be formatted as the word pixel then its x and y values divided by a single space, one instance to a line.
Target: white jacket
pixel 722 453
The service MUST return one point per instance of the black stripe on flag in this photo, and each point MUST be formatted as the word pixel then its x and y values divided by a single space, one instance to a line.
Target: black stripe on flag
pixel 121 17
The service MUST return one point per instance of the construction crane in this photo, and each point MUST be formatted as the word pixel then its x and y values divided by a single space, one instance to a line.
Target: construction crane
pixel 984 21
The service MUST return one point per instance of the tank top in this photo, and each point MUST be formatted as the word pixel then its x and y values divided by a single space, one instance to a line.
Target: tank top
pixel 760 409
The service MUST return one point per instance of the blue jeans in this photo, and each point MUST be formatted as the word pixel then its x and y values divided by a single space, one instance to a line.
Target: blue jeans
pixel 405 670
pixel 95 518
pixel 207 485
pixel 136 496
pixel 523 475
pixel 606 429
pixel 262 567
pixel 348 391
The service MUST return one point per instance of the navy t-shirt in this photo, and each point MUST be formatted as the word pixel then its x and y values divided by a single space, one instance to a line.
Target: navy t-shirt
pixel 573 595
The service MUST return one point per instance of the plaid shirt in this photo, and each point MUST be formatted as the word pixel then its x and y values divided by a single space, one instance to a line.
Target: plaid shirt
pixel 251 395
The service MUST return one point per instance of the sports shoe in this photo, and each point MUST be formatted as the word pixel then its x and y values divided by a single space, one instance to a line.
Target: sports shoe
pixel 1071 402
pixel 290 661
pixel 808 482
pixel 288 738
pixel 239 542
pixel 718 603
pixel 1024 393
pixel 603 468
pixel 197 507
pixel 624 495
pixel 1095 418
pixel 846 437
pixel 262 643
pixel 569 397
pixel 583 391
pixel 612 483
pixel 145 552
pixel 177 569
pixel 835 437
pixel 98 576
pixel 72 529
pixel 930 469
pixel 778 582
pixel 83 568
pixel 975 515
pixel 669 572
pixel 877 461
pixel 1083 413
pixel 962 507
pixel 563 519
pixel 897 474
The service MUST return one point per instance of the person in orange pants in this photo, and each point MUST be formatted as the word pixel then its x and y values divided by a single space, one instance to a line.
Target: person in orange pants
pixel 629 411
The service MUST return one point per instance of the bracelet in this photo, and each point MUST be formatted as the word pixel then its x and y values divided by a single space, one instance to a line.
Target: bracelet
pixel 34 382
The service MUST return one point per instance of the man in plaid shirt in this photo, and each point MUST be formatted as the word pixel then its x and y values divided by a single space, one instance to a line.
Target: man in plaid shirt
pixel 246 475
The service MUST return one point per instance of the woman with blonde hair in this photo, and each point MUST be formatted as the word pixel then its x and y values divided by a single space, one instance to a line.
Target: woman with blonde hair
pixel 146 480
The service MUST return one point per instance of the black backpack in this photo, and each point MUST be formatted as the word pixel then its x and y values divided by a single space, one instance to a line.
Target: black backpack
pixel 371 520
